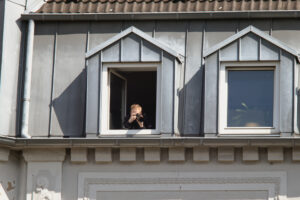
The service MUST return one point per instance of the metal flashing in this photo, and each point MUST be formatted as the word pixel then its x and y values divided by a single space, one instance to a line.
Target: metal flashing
pixel 142 142
pixel 257 32
pixel 139 33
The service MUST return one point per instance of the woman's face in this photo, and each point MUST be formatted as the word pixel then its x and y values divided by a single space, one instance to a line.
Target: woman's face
pixel 136 110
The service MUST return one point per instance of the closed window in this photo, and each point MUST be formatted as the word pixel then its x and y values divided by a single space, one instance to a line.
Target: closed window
pixel 248 99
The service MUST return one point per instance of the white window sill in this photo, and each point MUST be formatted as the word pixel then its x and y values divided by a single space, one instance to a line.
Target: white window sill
pixel 131 132
pixel 249 130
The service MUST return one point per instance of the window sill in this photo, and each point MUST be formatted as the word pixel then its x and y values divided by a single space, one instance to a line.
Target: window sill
pixel 130 132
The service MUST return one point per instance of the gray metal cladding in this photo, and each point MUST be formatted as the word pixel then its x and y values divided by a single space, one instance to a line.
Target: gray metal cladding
pixel 286 92
pixel 39 113
pixel 93 94
pixel 269 51
pixel 287 31
pixel 130 48
pixel 249 47
pixel 192 89
pixel 150 52
pixel 211 95
pixel 112 53
pixel 66 61
pixel 69 81
pixel 167 98
pixel 216 31
pixel 230 52
pixel 101 31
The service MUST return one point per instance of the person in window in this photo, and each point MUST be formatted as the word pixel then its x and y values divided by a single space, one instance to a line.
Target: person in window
pixel 136 119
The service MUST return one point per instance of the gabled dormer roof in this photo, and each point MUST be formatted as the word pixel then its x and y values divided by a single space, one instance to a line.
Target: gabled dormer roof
pixel 261 34
pixel 141 34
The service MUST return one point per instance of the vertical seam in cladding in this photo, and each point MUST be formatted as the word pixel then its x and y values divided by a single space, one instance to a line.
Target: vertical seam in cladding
pixel 1 38
pixel 161 89
pixel 239 49
pixel 279 90
pixel 154 28
pixel 184 78
pixel 259 49
pixel 99 93
pixel 120 50
pixel 293 95
pixel 173 99
pixel 52 79
pixel 86 80
pixel 218 91
pixel 203 81
pixel 141 50
pixel 271 27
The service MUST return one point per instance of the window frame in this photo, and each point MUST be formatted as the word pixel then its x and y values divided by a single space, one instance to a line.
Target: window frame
pixel 105 101
pixel 223 98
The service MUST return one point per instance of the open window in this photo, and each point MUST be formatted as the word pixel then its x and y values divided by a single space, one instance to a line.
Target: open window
pixel 248 100
pixel 124 85
pixel 132 68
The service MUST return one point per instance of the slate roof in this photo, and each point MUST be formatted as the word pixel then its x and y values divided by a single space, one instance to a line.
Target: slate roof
pixel 165 6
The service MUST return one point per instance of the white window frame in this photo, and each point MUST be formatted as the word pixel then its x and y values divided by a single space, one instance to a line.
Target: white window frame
pixel 223 98
pixel 105 101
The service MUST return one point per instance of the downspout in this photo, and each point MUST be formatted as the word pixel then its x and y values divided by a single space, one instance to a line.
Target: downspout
pixel 27 80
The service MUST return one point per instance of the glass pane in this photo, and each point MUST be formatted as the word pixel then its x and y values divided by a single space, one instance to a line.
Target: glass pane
pixel 250 98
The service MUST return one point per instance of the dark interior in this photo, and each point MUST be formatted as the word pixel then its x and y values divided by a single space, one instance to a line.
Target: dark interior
pixel 141 89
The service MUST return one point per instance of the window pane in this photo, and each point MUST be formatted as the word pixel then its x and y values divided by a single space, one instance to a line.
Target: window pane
pixel 250 98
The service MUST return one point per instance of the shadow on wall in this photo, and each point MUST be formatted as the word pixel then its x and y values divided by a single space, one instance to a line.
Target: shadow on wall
pixel 68 118
pixel 191 106
pixel 22 59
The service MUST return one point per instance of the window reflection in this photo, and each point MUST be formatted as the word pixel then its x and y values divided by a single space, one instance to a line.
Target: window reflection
pixel 250 98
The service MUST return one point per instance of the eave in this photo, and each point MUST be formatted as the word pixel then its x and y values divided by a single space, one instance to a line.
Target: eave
pixel 160 15
pixel 141 142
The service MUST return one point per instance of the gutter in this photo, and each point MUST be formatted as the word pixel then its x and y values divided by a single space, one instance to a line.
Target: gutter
pixel 160 15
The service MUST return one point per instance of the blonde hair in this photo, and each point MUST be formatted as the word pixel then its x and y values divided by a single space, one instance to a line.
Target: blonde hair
pixel 135 106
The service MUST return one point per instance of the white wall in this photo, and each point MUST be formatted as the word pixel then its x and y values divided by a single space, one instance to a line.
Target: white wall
pixel 10 183
pixel 213 169
pixel 10 66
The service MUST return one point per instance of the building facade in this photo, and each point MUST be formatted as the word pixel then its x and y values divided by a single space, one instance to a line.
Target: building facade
pixel 218 81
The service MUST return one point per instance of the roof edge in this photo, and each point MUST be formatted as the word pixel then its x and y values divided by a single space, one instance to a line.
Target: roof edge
pixel 257 32
pixel 189 142
pixel 160 15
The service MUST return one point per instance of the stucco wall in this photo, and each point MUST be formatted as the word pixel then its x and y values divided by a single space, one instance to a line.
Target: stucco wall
pixel 1 29
pixel 175 172
pixel 11 173
pixel 10 66
pixel 213 170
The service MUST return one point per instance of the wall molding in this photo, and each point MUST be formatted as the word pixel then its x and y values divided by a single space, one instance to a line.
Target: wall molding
pixel 274 183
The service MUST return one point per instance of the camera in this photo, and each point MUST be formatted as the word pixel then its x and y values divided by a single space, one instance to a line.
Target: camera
pixel 139 117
